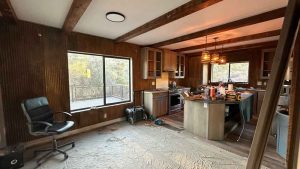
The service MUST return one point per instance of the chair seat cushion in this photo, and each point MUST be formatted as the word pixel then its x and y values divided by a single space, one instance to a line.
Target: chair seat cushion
pixel 60 127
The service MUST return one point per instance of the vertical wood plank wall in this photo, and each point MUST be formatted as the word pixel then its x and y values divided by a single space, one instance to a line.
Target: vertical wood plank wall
pixel 33 62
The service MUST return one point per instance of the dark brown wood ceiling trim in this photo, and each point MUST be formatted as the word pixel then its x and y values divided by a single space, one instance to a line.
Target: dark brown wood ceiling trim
pixel 7 11
pixel 233 40
pixel 274 14
pixel 177 13
pixel 241 47
pixel 77 9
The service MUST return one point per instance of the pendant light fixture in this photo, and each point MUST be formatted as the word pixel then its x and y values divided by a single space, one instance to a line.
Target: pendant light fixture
pixel 205 57
pixel 223 58
pixel 215 56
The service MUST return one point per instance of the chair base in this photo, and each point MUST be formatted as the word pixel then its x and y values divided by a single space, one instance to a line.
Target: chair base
pixel 51 151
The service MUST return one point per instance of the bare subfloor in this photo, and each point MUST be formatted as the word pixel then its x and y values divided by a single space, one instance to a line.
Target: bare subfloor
pixel 271 159
pixel 143 145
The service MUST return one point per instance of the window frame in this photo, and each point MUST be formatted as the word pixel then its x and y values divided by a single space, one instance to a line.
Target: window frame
pixel 104 80
pixel 229 71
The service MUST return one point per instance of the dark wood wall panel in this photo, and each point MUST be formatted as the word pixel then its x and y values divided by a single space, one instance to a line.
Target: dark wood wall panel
pixel 33 61
pixel 56 71
pixel 22 70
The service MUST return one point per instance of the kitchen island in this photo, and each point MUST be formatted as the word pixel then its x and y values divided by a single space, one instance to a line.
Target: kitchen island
pixel 206 118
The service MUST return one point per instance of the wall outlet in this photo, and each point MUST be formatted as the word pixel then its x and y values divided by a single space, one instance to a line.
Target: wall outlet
pixel 105 115
pixel 259 83
pixel 153 83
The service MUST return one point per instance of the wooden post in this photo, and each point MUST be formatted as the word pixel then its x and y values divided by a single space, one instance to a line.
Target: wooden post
pixel 294 110
pixel 279 67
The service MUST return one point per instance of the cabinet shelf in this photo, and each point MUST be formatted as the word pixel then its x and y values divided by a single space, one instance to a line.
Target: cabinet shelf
pixel 266 63
pixel 151 61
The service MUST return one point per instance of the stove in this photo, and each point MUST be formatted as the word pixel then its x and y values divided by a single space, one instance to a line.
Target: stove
pixel 175 100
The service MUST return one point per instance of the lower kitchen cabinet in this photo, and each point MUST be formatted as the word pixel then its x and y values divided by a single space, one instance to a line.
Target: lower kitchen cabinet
pixel 156 102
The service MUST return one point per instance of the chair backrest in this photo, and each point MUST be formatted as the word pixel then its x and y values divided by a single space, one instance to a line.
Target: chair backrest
pixel 37 109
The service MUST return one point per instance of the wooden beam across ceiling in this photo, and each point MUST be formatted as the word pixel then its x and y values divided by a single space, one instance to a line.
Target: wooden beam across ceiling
pixel 7 11
pixel 233 40
pixel 177 13
pixel 274 14
pixel 77 9
pixel 241 47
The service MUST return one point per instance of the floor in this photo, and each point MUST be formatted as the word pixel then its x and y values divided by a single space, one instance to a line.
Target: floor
pixel 271 158
pixel 143 145
pixel 93 102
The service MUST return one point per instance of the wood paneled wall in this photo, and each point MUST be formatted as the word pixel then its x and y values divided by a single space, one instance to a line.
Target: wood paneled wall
pixel 251 55
pixel 33 62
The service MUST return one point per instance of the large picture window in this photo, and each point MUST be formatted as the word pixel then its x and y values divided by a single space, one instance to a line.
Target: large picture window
pixel 97 80
pixel 236 72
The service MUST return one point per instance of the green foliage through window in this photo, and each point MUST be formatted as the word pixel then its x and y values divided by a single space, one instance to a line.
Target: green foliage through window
pixel 236 72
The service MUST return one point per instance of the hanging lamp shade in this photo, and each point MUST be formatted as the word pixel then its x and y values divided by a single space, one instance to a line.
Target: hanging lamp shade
pixel 223 58
pixel 215 56
pixel 205 57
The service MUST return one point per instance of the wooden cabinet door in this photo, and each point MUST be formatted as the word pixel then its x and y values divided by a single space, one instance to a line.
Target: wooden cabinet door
pixel 151 64
pixel 156 107
pixel 169 60
pixel 164 105
pixel 158 64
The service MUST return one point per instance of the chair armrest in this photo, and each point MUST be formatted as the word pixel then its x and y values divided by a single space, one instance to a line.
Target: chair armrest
pixel 66 113
pixel 44 123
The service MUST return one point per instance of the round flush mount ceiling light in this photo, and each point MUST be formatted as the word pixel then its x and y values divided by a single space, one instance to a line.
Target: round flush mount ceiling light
pixel 115 17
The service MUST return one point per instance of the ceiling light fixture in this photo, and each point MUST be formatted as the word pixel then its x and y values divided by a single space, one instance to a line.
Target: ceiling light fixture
pixel 205 57
pixel 215 56
pixel 115 17
pixel 223 58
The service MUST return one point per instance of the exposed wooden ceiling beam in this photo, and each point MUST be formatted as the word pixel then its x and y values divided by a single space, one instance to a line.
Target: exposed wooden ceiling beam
pixel 7 11
pixel 233 40
pixel 77 9
pixel 241 47
pixel 274 14
pixel 177 13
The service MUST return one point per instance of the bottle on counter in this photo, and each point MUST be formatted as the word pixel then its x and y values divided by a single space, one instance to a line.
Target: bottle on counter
pixel 212 92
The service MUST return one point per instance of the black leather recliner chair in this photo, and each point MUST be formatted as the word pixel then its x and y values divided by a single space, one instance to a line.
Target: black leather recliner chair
pixel 41 123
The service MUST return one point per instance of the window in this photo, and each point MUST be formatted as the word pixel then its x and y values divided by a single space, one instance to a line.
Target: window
pixel 236 72
pixel 97 80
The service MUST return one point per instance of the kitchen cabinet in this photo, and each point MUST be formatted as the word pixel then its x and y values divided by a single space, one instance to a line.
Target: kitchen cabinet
pixel 151 63
pixel 180 66
pixel 266 63
pixel 170 60
pixel 156 102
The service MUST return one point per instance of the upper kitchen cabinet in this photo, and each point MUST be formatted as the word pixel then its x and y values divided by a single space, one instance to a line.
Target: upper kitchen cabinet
pixel 170 61
pixel 266 62
pixel 180 66
pixel 152 63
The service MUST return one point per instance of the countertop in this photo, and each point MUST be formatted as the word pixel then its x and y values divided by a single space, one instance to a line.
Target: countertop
pixel 220 101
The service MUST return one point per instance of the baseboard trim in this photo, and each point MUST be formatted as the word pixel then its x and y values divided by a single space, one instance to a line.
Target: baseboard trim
pixel 47 139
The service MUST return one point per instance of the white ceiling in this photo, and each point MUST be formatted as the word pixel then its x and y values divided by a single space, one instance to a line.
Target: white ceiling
pixel 138 12
pixel 46 12
pixel 242 31
pixel 218 14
